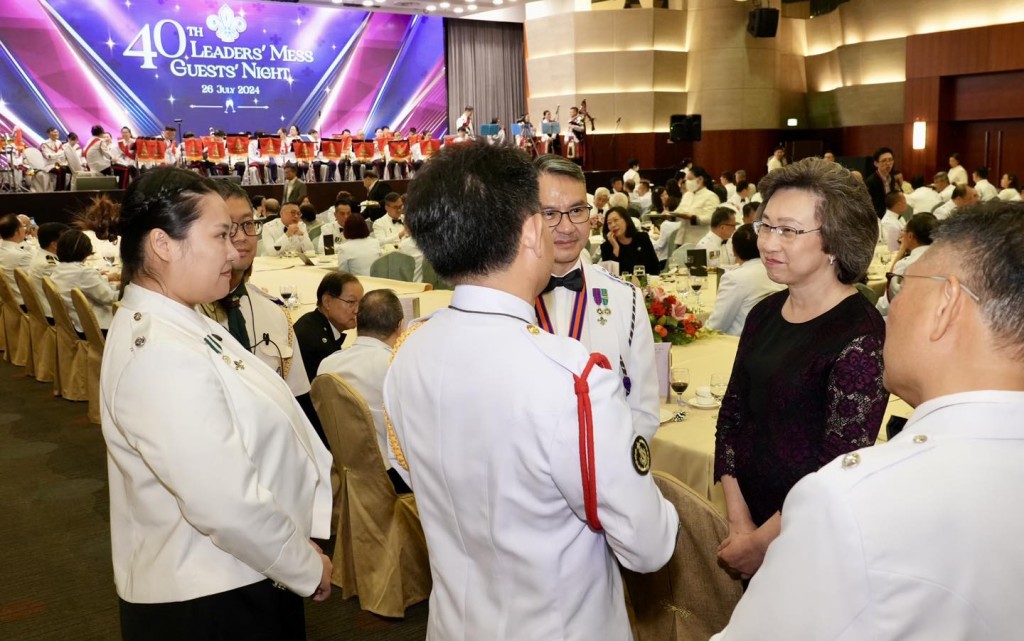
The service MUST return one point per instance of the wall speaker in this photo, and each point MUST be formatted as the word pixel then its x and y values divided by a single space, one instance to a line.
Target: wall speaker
pixel 684 128
pixel 763 22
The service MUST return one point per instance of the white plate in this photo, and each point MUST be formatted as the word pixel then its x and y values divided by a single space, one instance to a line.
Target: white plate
pixel 693 402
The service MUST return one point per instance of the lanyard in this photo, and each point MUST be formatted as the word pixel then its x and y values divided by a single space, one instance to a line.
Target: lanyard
pixel 579 313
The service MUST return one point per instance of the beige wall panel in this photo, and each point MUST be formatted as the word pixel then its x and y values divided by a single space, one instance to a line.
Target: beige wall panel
pixel 631 30
pixel 719 28
pixel 669 30
pixel 595 72
pixel 550 36
pixel 636 111
pixel 823 71
pixel 594 30
pixel 719 108
pixel 728 68
pixel 873 62
pixel 669 71
pixel 552 76
pixel 792 75
pixel 880 104
pixel 823 33
pixel 666 105
pixel 759 109
pixel 634 71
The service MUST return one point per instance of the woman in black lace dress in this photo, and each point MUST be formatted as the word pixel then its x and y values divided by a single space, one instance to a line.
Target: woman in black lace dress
pixel 806 385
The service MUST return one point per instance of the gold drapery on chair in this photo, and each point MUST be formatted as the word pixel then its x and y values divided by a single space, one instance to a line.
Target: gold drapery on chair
pixel 72 352
pixel 94 336
pixel 380 554
pixel 690 598
pixel 43 334
pixel 17 334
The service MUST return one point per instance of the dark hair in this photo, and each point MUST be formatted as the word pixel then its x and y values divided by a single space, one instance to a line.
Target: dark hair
pixel 228 189
pixel 9 226
pixel 987 241
pixel 673 189
pixel 101 217
pixel 749 207
pixel 700 172
pixel 1014 184
pixel 955 156
pixel 72 136
pixel 392 197
pixel 673 203
pixel 633 162
pixel 49 232
pixel 308 212
pixel 170 128
pixel 256 200
pixel 164 198
pixel 982 172
pixel 467 207
pixel 271 207
pixel 333 284
pixel 370 173
pixel 656 205
pixel 741 185
pixel 849 224
pixel 345 201
pixel 73 247
pixel 922 225
pixel 892 198
pixel 959 191
pixel 880 152
pixel 722 215
pixel 728 175
pixel 744 243
pixel 97 130
pixel 380 314
pixel 624 215
pixel 50 129
pixel 355 227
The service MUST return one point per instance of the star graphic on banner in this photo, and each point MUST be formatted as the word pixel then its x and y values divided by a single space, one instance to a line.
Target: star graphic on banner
pixel 282 118
pixel 298 22
pixel 128 4
pixel 171 100
pixel 177 7
pixel 110 43
pixel 241 13
pixel 289 80
pixel 334 46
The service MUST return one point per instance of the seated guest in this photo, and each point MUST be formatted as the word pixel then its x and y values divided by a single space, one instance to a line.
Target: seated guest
pixel 806 382
pixel 408 247
pixel 642 197
pixel 45 260
pixel 319 332
pixel 963 195
pixel 914 540
pixel 270 208
pixel 627 246
pixel 308 214
pixel 666 240
pixel 379 323
pixel 749 213
pixel 926 198
pixel 341 211
pixel 986 190
pixel 99 222
pixel 12 254
pixel 943 186
pixel 390 229
pixel 723 224
pixel 287 233
pixel 741 288
pixel 892 222
pixel 1010 188
pixel 73 249
pixel 357 254
pixel 98 153
pixel 916 239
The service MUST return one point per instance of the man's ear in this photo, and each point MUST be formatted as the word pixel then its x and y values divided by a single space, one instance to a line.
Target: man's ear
pixel 948 308
pixel 533 235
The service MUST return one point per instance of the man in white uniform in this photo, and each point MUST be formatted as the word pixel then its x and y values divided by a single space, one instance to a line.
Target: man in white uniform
pixel 584 302
pixel 741 288
pixel 12 254
pixel 697 205
pixel 390 229
pixel 45 260
pixel 986 190
pixel 287 233
pixel 919 538
pixel 892 222
pixel 716 241
pixel 487 412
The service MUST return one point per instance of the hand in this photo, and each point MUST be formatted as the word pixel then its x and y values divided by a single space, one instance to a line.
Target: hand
pixel 293 229
pixel 611 239
pixel 324 589
pixel 742 553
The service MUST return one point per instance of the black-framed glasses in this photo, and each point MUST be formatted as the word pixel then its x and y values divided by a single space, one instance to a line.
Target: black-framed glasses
pixel 784 231
pixel 898 279
pixel 354 301
pixel 578 214
pixel 248 227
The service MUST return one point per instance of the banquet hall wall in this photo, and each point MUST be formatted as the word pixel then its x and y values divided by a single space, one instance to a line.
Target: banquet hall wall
pixel 854 79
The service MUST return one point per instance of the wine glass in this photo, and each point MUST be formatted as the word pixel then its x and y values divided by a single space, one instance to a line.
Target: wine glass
pixel 679 381
pixel 696 284
pixel 277 248
pixel 287 293
pixel 719 385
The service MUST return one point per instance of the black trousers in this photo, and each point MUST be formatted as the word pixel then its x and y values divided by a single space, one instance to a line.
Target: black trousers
pixel 257 612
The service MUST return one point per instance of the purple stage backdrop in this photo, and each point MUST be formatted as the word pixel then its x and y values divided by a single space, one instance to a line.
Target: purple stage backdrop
pixel 237 66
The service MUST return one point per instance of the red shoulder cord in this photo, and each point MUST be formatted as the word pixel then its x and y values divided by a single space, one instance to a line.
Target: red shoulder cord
pixel 588 470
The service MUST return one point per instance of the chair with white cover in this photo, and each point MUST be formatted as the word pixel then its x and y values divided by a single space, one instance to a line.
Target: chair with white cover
pixel 394 265
pixel 16 330
pixel 43 335
pixel 380 552
pixel 41 180
pixel 691 598
pixel 679 255
pixel 94 336
pixel 75 165
pixel 72 352
pixel 431 278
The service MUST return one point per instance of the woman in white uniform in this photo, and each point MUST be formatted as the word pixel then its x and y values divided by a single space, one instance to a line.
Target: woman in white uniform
pixel 73 250
pixel 356 256
pixel 217 480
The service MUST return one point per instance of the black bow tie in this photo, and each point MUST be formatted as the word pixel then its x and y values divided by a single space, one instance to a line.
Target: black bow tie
pixel 397 221
pixel 572 281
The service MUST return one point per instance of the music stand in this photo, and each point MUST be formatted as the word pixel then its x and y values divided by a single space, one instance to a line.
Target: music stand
pixel 550 128
pixel 489 130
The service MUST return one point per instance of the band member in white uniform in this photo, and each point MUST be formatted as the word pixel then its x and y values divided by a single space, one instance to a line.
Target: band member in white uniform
pixel 586 303
pixel 56 163
pixel 217 480
pixel 487 412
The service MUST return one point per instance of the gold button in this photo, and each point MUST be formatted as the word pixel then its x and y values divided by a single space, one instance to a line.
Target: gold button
pixel 140 341
pixel 851 460
pixel 138 316
pixel 920 438
pixel 533 329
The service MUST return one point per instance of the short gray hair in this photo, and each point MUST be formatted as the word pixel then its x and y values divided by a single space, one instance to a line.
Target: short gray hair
pixel 849 224
pixel 554 165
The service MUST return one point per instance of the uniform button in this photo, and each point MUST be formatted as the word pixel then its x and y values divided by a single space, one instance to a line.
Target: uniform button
pixel 920 438
pixel 140 341
pixel 851 460
pixel 533 329
pixel 138 316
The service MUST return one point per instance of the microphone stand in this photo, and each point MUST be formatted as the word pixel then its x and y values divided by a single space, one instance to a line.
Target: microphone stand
pixel 181 149
pixel 611 145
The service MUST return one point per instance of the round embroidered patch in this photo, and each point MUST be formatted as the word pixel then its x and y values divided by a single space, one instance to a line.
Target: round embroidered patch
pixel 641 456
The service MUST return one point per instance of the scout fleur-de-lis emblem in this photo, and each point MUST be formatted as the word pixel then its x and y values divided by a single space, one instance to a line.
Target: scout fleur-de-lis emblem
pixel 227 25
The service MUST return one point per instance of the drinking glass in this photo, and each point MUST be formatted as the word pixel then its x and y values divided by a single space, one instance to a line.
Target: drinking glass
pixel 288 293
pixel 679 381
pixel 719 385
pixel 696 284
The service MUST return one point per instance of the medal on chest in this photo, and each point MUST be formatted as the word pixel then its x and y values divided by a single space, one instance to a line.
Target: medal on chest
pixel 601 300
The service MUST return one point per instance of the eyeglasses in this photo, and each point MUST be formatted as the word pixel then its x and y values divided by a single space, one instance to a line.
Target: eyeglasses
pixel 580 214
pixel 248 227
pixel 898 279
pixel 785 231
pixel 350 302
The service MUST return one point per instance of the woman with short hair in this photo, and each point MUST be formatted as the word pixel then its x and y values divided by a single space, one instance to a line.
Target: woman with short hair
pixel 806 384
pixel 73 250
pixel 359 250
pixel 217 479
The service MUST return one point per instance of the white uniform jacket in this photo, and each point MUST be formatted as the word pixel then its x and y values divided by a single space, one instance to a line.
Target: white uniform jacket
pixel 272 338
pixel 484 410
pixel 217 480
pixel 386 230
pixel 96 287
pixel 739 290
pixel 626 340
pixel 917 539
pixel 701 203
pixel 13 256
pixel 275 235
pixel 42 265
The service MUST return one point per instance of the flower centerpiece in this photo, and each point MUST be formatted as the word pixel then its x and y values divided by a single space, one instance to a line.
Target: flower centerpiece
pixel 671 320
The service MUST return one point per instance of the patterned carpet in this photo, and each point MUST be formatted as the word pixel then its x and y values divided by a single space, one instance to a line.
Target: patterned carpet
pixel 56 580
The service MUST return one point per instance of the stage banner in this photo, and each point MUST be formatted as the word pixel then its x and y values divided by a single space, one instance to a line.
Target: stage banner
pixel 238 146
pixel 363 150
pixel 193 149
pixel 304 151
pixel 216 150
pixel 399 150
pixel 429 147
pixel 331 148
pixel 216 64
pixel 270 146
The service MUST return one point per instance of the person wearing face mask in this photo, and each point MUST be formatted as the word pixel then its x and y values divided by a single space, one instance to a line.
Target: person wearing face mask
pixel 697 205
